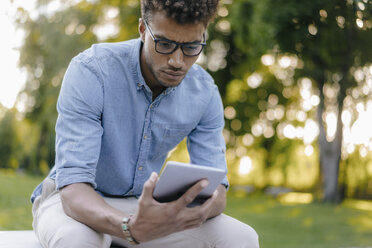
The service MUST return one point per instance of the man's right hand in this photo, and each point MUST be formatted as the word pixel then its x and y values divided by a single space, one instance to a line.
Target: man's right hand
pixel 154 219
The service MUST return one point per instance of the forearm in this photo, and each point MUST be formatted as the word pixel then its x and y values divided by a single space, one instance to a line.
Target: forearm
pixel 219 205
pixel 83 204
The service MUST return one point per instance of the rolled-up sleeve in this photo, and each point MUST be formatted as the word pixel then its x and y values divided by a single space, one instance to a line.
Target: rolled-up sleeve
pixel 205 143
pixel 78 129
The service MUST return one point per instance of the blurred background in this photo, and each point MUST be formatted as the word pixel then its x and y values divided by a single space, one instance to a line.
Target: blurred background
pixel 296 81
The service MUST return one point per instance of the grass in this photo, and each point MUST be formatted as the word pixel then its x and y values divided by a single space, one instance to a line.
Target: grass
pixel 15 205
pixel 278 225
pixel 304 225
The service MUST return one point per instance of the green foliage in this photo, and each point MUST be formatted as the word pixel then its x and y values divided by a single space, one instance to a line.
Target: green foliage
pixel 330 38
pixel 327 38
pixel 356 174
pixel 9 143
pixel 251 35
pixel 323 32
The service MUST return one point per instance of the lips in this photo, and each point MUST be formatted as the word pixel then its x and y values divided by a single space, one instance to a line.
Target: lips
pixel 173 75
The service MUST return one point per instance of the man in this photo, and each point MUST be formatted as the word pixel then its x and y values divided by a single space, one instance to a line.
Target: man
pixel 122 108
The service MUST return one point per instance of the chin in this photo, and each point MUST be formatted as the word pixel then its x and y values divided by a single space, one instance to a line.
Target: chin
pixel 170 83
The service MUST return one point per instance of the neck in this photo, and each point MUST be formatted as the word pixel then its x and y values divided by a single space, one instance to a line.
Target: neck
pixel 156 93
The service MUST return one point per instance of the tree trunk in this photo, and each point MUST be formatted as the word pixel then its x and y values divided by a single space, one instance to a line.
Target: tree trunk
pixel 330 152
pixel 329 159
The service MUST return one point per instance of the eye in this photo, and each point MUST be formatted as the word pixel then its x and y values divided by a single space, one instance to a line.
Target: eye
pixel 192 47
pixel 165 45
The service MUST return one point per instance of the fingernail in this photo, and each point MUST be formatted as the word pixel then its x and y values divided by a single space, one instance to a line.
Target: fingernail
pixel 153 177
pixel 204 183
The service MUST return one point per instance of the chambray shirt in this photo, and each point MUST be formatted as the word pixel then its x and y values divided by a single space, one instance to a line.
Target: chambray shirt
pixel 109 132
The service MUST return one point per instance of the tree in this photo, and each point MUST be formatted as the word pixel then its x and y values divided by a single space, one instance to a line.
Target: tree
pixel 52 40
pixel 331 41
pixel 9 141
pixel 253 95
pixel 332 38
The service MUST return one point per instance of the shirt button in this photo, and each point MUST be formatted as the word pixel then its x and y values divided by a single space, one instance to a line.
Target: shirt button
pixel 145 137
pixel 139 85
pixel 140 168
pixel 151 106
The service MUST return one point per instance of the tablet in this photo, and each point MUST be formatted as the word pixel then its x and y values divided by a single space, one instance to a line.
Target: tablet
pixel 177 178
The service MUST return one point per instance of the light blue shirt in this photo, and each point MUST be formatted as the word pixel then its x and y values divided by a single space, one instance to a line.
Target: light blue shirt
pixel 110 133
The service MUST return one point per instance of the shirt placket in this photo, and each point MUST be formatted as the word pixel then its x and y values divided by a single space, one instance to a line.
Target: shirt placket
pixel 141 171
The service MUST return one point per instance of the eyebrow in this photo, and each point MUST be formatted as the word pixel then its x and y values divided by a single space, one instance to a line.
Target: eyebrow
pixel 161 37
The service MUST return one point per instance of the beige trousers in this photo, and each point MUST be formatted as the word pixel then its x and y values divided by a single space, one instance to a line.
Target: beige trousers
pixel 55 229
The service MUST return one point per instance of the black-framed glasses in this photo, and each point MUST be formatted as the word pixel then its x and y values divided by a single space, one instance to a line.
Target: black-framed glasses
pixel 165 46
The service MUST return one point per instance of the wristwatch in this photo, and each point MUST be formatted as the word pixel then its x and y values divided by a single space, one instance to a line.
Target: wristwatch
pixel 125 227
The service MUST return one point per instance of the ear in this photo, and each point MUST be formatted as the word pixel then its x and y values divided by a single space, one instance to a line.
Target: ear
pixel 141 29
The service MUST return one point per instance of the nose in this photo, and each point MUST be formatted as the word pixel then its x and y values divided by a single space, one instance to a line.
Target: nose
pixel 176 59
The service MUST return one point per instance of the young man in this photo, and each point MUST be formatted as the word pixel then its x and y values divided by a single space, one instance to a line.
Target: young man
pixel 122 108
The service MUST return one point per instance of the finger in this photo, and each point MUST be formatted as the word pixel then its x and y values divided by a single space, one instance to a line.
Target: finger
pixel 148 187
pixel 190 217
pixel 207 205
pixel 197 214
pixel 191 193
pixel 193 224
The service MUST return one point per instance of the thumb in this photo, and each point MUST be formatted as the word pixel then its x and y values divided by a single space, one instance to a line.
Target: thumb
pixel 148 187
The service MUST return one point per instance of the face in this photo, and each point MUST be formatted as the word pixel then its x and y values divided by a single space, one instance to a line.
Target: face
pixel 167 70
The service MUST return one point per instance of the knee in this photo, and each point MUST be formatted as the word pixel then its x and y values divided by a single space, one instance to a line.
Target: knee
pixel 237 234
pixel 79 236
pixel 244 237
pixel 251 235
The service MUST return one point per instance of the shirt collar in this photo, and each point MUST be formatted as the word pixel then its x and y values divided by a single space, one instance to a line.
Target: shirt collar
pixel 135 62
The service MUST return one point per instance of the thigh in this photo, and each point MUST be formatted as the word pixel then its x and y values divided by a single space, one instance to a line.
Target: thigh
pixel 127 205
pixel 55 229
pixel 219 232
pixel 223 231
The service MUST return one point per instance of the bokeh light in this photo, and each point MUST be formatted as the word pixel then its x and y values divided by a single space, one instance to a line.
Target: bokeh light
pixel 245 165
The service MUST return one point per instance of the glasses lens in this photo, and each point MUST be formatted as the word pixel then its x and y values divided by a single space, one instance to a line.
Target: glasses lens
pixel 192 49
pixel 165 46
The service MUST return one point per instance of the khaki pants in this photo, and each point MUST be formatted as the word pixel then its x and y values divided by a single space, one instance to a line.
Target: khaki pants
pixel 55 229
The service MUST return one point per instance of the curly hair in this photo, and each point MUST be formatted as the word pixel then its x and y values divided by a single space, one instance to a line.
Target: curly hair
pixel 182 11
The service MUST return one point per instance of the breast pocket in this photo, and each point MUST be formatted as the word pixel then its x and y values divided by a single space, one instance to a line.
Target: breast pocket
pixel 170 137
